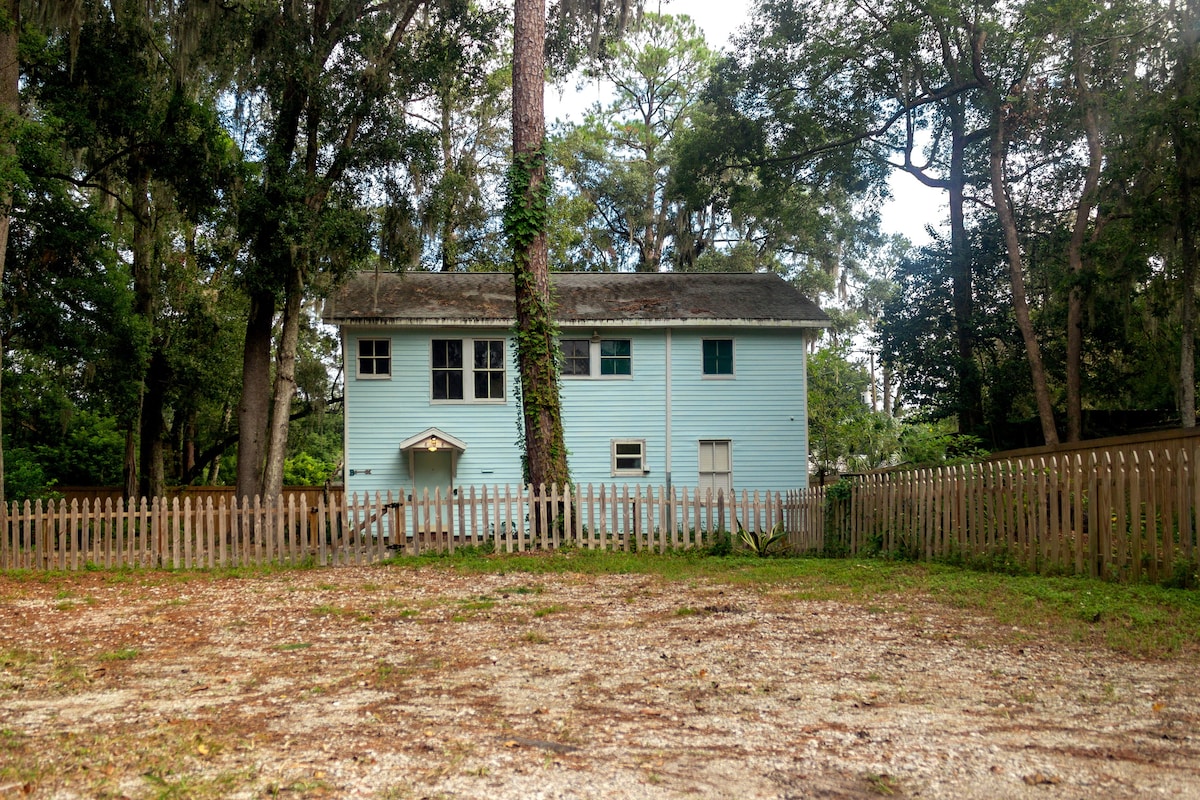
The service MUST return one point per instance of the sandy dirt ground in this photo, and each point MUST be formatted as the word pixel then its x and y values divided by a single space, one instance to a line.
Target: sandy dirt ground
pixel 381 682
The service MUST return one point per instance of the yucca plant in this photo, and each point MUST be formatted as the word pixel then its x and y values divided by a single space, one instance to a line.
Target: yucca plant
pixel 762 543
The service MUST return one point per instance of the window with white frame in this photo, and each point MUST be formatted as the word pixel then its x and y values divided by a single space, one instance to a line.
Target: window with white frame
pixel 716 466
pixel 629 457
pixel 447 365
pixel 456 364
pixel 374 358
pixel 576 357
pixel 596 358
pixel 616 357
pixel 717 357
pixel 489 369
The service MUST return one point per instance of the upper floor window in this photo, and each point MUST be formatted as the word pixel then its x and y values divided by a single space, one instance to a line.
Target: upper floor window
pixel 447 369
pixel 452 373
pixel 718 356
pixel 576 357
pixel 489 369
pixel 615 357
pixel 374 358
pixel 596 357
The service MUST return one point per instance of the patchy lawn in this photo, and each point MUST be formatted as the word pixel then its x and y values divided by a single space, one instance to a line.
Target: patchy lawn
pixel 506 680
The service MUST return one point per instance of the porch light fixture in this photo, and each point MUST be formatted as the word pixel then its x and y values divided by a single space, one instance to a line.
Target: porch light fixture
pixel 433 444
pixel 595 337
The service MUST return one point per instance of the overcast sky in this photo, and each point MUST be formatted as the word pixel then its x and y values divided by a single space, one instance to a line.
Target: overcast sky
pixel 912 205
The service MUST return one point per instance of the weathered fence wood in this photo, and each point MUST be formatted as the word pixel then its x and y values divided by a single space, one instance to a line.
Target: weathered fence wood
pixel 1126 515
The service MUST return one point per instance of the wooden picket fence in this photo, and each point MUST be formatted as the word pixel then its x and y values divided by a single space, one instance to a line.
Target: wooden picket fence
pixel 1124 514
pixel 332 529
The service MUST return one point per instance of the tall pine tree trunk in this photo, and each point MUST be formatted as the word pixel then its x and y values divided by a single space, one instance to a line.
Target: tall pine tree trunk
pixel 526 218
pixel 1083 215
pixel 997 154
pixel 1187 170
pixel 1016 271
pixel 144 278
pixel 10 112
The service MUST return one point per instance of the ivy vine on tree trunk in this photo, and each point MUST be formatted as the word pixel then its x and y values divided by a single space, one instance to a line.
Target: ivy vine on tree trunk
pixel 525 224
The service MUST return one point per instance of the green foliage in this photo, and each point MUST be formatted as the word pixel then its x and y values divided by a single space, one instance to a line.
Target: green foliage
pixel 619 163
pixel 1185 574
pixel 845 435
pixel 722 544
pixel 24 477
pixel 837 500
pixel 305 470
pixel 763 543
pixel 937 444
pixel 527 204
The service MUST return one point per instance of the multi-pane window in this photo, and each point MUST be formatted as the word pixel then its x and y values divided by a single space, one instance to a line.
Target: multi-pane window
pixel 374 358
pixel 716 467
pixel 576 357
pixel 628 456
pixel 615 357
pixel 456 364
pixel 596 357
pixel 718 356
pixel 447 369
pixel 489 369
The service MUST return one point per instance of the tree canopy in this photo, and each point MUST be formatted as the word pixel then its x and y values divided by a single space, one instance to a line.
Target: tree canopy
pixel 181 184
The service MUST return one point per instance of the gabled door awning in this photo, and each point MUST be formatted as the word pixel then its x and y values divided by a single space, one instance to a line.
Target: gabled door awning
pixel 432 440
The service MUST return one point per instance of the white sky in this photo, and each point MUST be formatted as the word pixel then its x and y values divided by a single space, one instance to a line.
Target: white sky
pixel 912 206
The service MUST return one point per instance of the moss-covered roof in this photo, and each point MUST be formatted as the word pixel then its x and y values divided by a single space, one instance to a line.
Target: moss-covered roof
pixel 486 298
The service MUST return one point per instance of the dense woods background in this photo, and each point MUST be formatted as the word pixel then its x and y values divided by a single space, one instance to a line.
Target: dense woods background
pixel 182 184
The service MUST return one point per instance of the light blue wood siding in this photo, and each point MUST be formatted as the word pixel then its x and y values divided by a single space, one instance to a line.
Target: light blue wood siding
pixel 760 410
pixel 598 410
pixel 382 413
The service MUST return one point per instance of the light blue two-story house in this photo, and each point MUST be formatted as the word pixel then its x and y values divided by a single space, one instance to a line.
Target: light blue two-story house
pixel 668 379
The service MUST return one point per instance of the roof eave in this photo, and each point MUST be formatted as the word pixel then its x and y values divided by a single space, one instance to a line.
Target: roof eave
pixel 447 322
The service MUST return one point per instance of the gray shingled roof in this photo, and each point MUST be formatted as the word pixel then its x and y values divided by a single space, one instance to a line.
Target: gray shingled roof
pixel 486 298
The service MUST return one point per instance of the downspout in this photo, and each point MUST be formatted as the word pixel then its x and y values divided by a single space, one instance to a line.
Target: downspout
pixel 806 339
pixel 667 446
pixel 342 334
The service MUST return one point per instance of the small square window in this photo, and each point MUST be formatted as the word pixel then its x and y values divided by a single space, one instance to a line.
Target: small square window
pixel 718 356
pixel 576 357
pixel 615 357
pixel 374 358
pixel 629 457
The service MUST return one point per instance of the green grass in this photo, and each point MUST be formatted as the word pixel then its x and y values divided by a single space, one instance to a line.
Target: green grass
pixel 1139 619
pixel 1142 619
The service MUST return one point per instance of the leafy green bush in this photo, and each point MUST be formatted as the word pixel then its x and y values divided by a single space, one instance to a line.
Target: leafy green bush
pixel 722 544
pixel 1185 574
pixel 24 478
pixel 304 470
pixel 937 444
